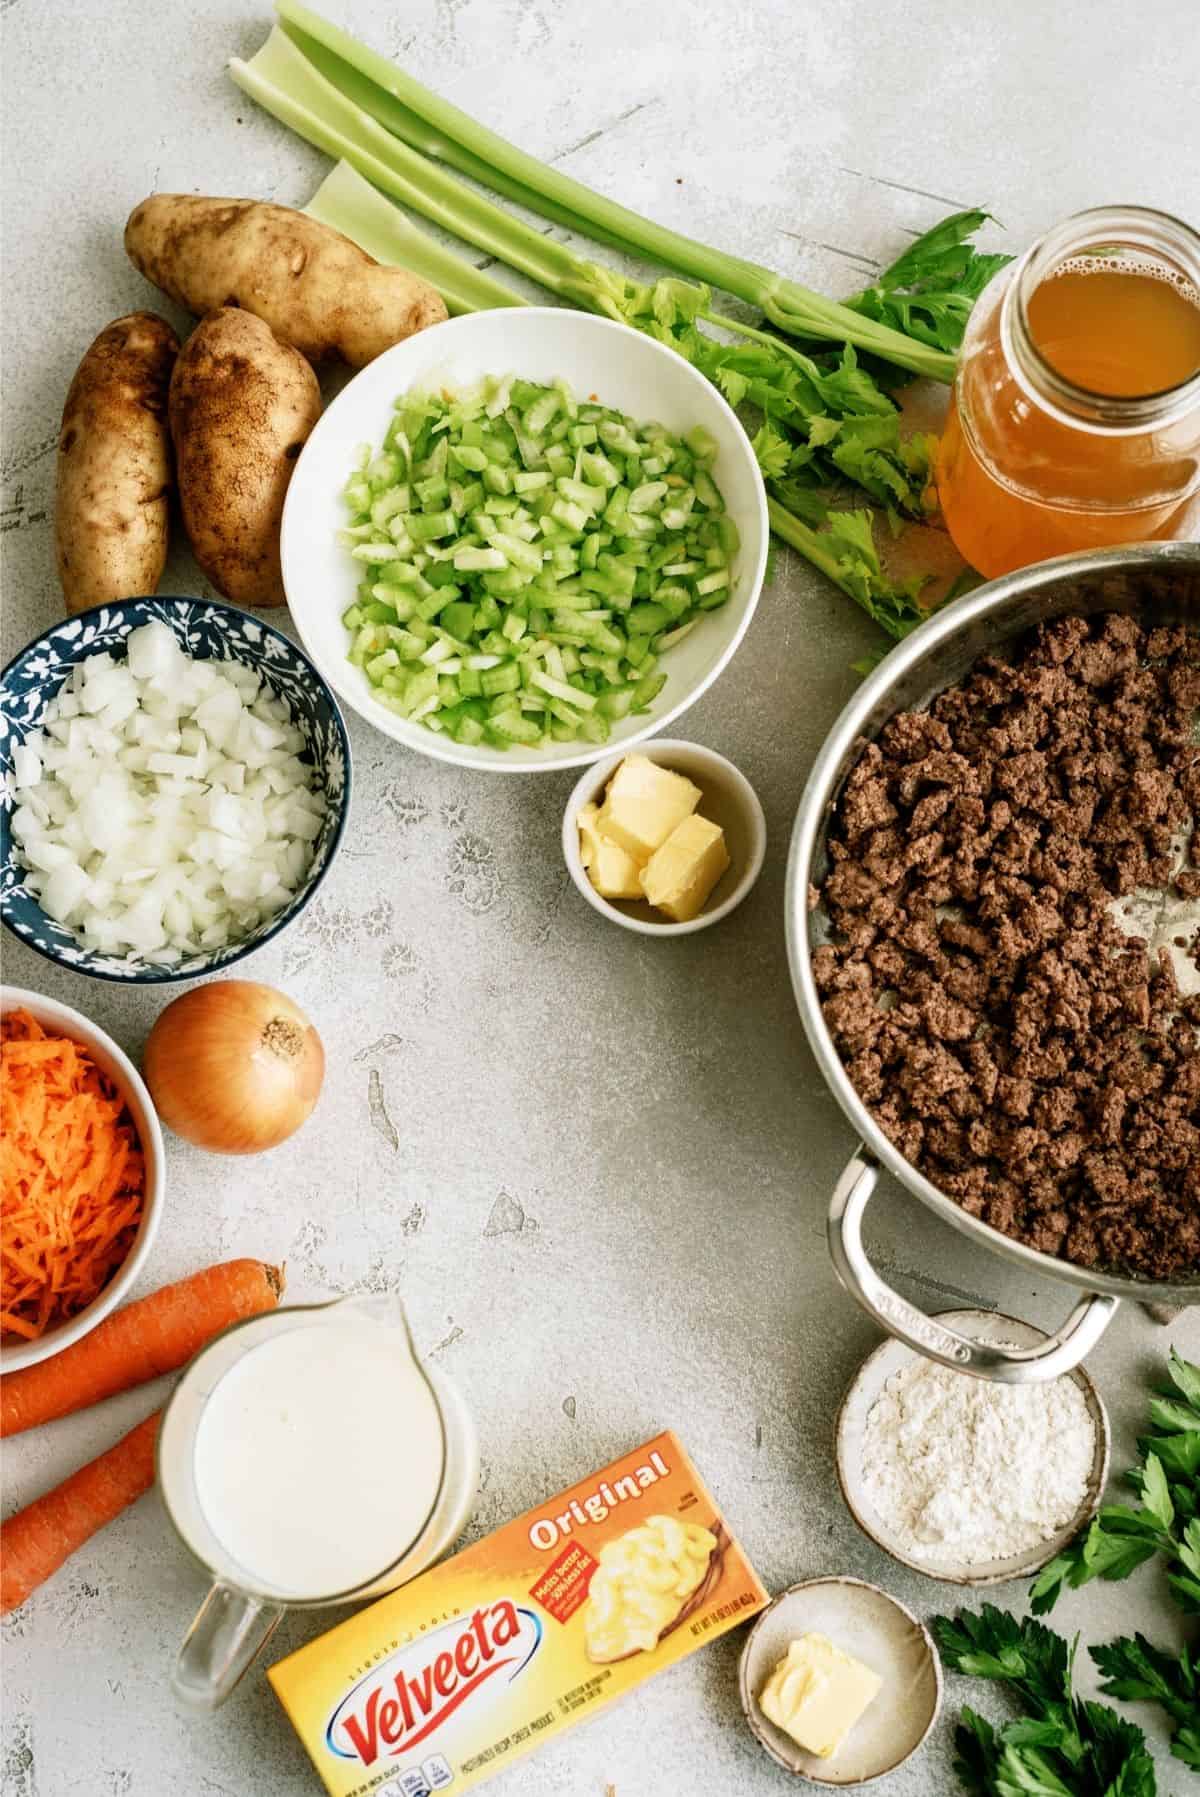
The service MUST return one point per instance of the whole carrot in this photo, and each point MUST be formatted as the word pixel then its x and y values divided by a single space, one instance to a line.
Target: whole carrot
pixel 154 1335
pixel 36 1540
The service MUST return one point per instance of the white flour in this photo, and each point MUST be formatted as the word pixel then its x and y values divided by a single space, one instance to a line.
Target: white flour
pixel 961 1469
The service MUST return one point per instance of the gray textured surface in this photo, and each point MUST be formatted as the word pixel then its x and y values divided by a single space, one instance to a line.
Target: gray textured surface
pixel 595 1165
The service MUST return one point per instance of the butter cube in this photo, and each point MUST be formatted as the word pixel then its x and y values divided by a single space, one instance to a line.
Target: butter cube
pixel 817 1693
pixel 680 875
pixel 643 804
pixel 611 869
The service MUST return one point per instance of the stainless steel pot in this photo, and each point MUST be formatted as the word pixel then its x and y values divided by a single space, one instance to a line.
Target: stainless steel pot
pixel 1156 582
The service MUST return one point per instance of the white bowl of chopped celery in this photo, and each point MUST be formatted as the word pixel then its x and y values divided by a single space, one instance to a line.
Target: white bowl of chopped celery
pixel 524 539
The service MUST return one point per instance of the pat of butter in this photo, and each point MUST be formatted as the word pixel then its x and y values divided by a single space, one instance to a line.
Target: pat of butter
pixel 680 875
pixel 643 804
pixel 611 869
pixel 817 1693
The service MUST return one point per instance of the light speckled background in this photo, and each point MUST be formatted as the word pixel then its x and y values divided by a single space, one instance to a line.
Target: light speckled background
pixel 596 1166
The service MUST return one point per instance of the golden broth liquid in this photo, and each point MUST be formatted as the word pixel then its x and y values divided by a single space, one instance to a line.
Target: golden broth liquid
pixel 1047 487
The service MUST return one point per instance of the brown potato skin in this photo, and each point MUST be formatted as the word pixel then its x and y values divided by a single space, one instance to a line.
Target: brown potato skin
pixel 113 480
pixel 317 290
pixel 241 407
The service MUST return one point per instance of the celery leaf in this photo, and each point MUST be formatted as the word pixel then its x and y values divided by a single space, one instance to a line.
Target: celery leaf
pixel 929 291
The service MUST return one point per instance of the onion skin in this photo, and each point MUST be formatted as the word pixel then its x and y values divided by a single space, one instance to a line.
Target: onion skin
pixel 234 1067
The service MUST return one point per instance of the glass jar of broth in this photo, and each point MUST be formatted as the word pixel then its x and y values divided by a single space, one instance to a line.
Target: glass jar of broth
pixel 1075 417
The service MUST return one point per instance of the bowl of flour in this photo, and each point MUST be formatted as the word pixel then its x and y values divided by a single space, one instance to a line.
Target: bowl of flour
pixel 964 1479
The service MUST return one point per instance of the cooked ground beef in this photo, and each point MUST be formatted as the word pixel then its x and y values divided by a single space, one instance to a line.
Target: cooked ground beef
pixel 1038 1064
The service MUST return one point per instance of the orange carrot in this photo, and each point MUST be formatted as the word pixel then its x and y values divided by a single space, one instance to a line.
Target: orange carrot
pixel 36 1540
pixel 153 1335
pixel 72 1178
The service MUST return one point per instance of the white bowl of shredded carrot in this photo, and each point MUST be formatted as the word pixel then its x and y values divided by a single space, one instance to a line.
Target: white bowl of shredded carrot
pixel 81 1176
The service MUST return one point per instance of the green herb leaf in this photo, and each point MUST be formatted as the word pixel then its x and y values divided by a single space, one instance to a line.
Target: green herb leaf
pixel 1117 1756
pixel 1120 1539
pixel 1171 1417
pixel 1179 1454
pixel 1186 1379
pixel 1156 1497
pixel 1185 1590
pixel 1113 1556
pixel 1138 1672
pixel 1186 1745
pixel 1060 1571
pixel 937 253
pixel 994 1645
pixel 1189 1548
pixel 1062 1747
pixel 842 545
pixel 733 385
pixel 894 470
pixel 929 291
pixel 1032 1731
pixel 773 450
pixel 1028 1772
pixel 1117 1542
pixel 976 1753
pixel 831 410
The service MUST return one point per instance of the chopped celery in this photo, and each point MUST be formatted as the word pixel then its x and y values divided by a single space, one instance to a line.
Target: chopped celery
pixel 527 559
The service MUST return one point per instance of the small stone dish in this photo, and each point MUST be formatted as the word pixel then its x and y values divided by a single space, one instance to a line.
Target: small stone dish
pixel 729 800
pixel 864 1621
pixel 865 1389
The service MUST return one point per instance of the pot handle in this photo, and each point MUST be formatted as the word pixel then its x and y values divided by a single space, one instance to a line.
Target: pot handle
pixel 1059 1353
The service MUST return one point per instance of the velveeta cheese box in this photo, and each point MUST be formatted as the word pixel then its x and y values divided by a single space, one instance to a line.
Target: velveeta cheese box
pixel 525 1632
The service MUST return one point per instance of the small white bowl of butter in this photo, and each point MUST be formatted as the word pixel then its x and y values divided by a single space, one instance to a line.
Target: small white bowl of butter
pixel 839 1682
pixel 665 840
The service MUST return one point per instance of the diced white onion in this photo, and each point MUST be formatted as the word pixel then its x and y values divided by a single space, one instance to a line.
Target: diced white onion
pixel 161 808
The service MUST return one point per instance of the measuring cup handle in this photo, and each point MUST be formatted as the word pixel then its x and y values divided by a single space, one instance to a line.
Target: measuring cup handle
pixel 986 1360
pixel 229 1630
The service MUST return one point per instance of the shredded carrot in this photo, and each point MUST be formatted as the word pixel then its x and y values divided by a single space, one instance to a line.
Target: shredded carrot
pixel 72 1178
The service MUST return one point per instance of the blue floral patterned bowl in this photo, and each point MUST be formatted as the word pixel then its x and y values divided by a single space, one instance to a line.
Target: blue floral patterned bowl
pixel 204 629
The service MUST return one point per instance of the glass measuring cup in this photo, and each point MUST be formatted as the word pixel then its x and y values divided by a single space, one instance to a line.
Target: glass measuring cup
pixel 241 1611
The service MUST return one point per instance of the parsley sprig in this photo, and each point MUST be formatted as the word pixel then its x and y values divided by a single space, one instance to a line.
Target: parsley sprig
pixel 1064 1745
pixel 1123 1536
pixel 1167 1521
pixel 1138 1672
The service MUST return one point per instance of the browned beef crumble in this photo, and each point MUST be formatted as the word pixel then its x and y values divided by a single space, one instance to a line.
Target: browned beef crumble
pixel 1016 1046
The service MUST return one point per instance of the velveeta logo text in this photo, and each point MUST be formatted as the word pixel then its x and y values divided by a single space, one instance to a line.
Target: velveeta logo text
pixel 460 1668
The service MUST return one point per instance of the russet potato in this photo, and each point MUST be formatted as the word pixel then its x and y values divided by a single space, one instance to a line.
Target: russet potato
pixel 113 479
pixel 312 286
pixel 241 407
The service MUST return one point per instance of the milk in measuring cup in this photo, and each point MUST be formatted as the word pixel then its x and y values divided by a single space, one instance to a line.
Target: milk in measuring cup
pixel 318 1458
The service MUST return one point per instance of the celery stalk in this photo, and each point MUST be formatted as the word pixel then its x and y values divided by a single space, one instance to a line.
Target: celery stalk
pixel 349 203
pixel 433 125
pixel 416 132
pixel 352 206
pixel 286 84
pixel 282 79
pixel 845 551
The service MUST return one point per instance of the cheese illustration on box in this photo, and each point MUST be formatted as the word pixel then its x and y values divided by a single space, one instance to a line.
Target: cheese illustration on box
pixel 537 1626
